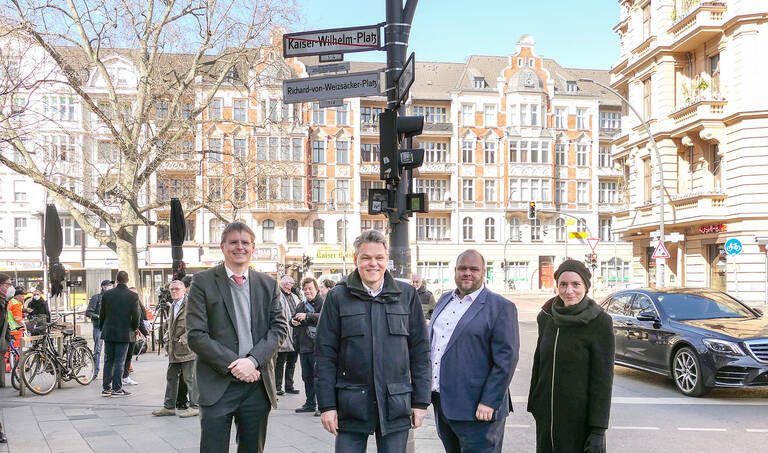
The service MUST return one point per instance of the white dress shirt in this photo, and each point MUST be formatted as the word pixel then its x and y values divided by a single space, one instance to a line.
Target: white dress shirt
pixel 443 327
pixel 230 273
pixel 374 292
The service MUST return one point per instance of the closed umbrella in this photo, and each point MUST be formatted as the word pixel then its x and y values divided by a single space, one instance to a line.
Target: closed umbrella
pixel 178 234
pixel 53 243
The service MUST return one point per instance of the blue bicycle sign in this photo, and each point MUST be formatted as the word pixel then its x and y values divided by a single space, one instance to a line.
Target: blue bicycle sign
pixel 733 246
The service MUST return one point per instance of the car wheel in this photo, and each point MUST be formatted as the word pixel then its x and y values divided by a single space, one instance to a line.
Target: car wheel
pixel 686 372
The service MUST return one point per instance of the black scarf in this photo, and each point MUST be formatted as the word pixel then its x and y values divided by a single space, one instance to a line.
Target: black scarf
pixel 575 315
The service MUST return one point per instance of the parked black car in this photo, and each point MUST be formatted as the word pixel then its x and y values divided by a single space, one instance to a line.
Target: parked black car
pixel 701 338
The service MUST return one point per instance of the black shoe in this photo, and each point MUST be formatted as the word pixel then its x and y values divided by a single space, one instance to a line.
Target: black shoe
pixel 120 393
pixel 106 393
pixel 303 409
pixel 280 392
pixel 292 391
pixel 3 439
pixel 318 413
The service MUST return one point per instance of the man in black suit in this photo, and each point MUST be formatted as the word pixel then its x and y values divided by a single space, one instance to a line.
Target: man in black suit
pixel 118 316
pixel 235 324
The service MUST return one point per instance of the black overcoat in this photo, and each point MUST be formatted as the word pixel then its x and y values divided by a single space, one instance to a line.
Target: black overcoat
pixel 578 358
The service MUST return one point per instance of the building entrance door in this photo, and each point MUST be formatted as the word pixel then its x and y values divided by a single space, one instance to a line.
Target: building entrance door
pixel 717 267
pixel 546 272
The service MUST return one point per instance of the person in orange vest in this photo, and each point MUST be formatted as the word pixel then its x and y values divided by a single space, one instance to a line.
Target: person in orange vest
pixel 16 315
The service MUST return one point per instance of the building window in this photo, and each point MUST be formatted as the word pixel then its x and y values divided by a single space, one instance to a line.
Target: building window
pixel 534 115
pixel 478 83
pixel 369 115
pixel 571 86
pixel 560 154
pixel 19 191
pixel 368 224
pixel 214 189
pixel 365 186
pixel 561 195
pixel 581 226
pixel 318 191
pixel 268 231
pixel 214 149
pixel 298 149
pixel 513 157
pixel 647 98
pixel 561 119
pixel 607 193
pixel 646 21
pixel 71 232
pixel 605 157
pixel 490 229
pixel 490 191
pixel 582 196
pixel 468 189
pixel 489 114
pixel 161 110
pixel 342 227
pixel 535 230
pixel 467 229
pixel 467 115
pixel 581 119
pixel 240 190
pixel 610 120
pixel 431 114
pixel 581 155
pixel 647 180
pixel 431 228
pixel 214 109
pixel 436 189
pixel 467 152
pixel 342 152
pixel 714 74
pixel 369 152
pixel 318 152
pixel 239 107
pixel 108 152
pixel 490 152
pixel 342 115
pixel 435 152
pixel 318 231
pixel 19 225
pixel 318 114
pixel 560 229
pixel 605 230
pixel 529 189
pixel 715 166
pixel 215 229
pixel 239 148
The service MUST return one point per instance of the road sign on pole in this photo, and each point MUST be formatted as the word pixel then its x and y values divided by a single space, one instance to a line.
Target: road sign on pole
pixel 406 78
pixel 332 41
pixel 660 252
pixel 355 84
pixel 733 246
pixel 331 57
pixel 326 68
pixel 593 243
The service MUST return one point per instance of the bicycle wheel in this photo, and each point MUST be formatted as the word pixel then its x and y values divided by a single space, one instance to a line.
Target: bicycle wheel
pixel 81 364
pixel 15 375
pixel 39 372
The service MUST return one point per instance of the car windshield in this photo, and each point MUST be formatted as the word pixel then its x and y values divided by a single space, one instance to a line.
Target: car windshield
pixel 712 306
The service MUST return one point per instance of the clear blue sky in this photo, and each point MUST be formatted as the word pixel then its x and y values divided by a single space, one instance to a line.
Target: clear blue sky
pixel 577 34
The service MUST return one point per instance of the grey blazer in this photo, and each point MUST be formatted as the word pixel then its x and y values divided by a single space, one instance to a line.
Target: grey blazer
pixel 212 334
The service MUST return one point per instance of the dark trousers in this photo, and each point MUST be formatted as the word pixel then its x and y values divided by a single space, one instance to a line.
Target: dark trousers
pixel 348 442
pixel 176 372
pixel 128 359
pixel 114 359
pixel 181 395
pixel 308 376
pixel 249 405
pixel 465 436
pixel 286 361
pixel 97 347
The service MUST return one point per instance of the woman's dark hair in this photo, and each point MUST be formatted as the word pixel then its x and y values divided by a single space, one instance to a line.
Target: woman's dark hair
pixel 328 283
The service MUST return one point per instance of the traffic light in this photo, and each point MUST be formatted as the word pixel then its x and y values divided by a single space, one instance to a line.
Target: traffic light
pixel 502 264
pixel 531 210
pixel 593 259
pixel 392 129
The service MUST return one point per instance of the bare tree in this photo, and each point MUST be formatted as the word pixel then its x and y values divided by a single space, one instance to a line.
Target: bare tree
pixel 143 73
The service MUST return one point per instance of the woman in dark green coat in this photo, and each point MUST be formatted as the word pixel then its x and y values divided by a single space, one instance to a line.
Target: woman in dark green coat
pixel 570 395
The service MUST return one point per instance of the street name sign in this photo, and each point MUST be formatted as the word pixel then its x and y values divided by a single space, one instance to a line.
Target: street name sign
pixel 593 243
pixel 660 252
pixel 331 57
pixel 326 68
pixel 406 78
pixel 355 84
pixel 332 41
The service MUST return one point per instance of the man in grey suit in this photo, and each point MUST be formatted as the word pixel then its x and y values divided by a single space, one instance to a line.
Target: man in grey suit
pixel 235 324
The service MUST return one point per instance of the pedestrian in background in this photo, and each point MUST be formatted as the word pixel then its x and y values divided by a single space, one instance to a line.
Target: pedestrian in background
pixel 6 294
pixel 475 345
pixel 37 307
pixel 326 285
pixel 426 297
pixel 92 312
pixel 182 400
pixel 118 316
pixel 305 324
pixel 15 313
pixel 127 367
pixel 571 383
pixel 181 359
pixel 288 353
pixel 373 371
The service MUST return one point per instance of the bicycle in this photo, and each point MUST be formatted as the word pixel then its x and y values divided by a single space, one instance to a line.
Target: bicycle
pixel 13 361
pixel 43 367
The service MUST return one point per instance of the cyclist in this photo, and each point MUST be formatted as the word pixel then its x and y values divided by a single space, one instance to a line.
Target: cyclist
pixel 16 315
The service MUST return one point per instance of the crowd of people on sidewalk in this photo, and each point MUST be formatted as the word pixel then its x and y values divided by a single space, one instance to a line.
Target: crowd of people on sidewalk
pixel 374 352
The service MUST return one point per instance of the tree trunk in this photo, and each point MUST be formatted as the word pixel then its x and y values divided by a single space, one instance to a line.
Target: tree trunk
pixel 128 260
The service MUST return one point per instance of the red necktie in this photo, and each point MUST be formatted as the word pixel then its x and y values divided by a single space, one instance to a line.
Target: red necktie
pixel 239 279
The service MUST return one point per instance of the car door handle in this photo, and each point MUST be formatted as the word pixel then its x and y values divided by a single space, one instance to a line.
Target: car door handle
pixel 630 323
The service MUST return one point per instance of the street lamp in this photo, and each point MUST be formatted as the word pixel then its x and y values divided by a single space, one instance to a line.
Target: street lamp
pixel 331 208
pixel 660 262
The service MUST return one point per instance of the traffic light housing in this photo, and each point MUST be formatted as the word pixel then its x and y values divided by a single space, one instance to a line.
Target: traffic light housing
pixel 392 129
pixel 593 259
pixel 531 210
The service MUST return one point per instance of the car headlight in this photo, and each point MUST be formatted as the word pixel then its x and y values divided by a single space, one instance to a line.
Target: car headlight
pixel 723 346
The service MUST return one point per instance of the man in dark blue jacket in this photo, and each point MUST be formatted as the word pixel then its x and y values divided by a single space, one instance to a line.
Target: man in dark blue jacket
pixel 474 350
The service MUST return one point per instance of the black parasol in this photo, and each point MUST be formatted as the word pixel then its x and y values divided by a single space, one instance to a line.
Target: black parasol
pixel 53 243
pixel 178 232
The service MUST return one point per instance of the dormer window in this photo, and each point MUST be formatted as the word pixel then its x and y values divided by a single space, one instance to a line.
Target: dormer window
pixel 479 83
pixel 531 62
pixel 571 86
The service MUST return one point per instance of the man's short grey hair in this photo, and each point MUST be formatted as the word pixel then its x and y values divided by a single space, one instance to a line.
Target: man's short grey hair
pixel 285 278
pixel 177 283
pixel 370 236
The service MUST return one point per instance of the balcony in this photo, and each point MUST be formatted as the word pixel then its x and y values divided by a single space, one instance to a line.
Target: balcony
pixel 644 47
pixel 438 128
pixel 441 205
pixel 435 168
pixel 278 206
pixel 608 133
pixel 703 108
pixel 369 169
pixel 180 165
pixel 699 23
pixel 369 128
